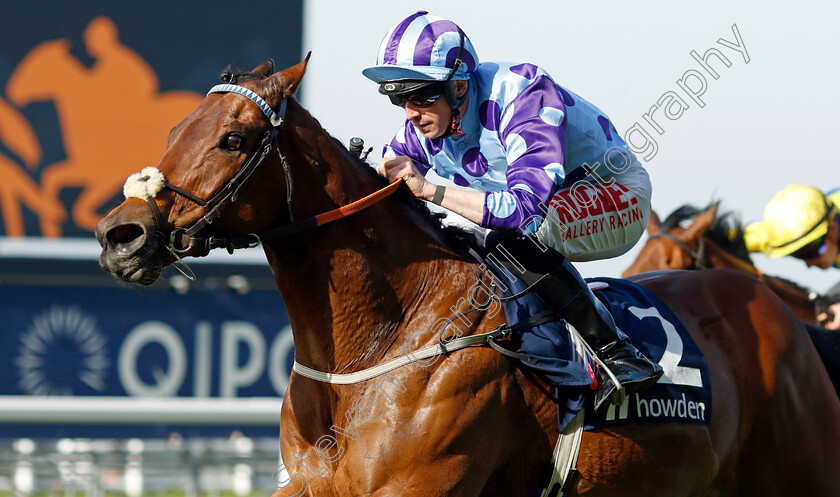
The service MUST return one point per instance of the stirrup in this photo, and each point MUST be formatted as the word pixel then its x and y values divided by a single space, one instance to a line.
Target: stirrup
pixel 611 389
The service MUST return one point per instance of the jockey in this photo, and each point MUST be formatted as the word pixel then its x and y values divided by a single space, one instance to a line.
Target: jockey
pixel 802 222
pixel 543 169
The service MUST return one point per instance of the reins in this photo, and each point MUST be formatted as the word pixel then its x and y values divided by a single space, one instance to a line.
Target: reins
pixel 184 239
pixel 697 256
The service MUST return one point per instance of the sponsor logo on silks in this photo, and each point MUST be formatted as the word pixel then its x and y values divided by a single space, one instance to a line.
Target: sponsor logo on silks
pixel 607 207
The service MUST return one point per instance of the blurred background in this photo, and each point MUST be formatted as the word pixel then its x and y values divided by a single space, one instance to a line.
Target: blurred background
pixel 88 93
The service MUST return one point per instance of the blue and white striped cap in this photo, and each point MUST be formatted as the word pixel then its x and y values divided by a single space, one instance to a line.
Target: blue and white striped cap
pixel 422 46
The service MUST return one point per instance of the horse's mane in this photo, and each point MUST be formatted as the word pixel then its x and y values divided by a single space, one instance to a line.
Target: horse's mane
pixel 234 76
pixel 456 238
pixel 726 231
pixel 678 216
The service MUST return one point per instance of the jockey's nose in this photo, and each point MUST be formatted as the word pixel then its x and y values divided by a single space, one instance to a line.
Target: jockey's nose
pixel 410 111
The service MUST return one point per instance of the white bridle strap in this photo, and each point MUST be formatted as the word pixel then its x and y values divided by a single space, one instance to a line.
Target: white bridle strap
pixel 366 374
pixel 276 118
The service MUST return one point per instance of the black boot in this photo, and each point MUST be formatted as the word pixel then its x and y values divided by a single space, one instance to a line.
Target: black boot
pixel 562 287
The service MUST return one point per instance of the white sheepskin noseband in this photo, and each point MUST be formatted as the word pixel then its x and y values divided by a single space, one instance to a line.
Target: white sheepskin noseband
pixel 146 183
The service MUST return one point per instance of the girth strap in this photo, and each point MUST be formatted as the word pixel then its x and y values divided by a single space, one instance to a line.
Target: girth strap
pixel 414 356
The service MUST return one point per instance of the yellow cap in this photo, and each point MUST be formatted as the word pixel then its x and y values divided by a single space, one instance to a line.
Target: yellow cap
pixel 794 217
pixel 757 237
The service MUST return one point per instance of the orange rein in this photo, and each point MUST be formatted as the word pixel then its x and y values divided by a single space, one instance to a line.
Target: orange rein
pixel 358 205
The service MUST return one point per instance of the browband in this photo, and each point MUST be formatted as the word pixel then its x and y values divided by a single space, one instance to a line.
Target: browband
pixel 276 118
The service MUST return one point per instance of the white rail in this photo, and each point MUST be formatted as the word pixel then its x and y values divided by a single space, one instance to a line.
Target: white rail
pixel 87 249
pixel 250 411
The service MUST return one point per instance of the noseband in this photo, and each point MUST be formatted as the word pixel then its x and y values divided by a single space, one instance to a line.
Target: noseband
pixel 150 181
pixel 697 257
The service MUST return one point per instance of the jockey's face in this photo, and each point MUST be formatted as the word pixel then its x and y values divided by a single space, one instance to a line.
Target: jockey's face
pixel 832 243
pixel 432 121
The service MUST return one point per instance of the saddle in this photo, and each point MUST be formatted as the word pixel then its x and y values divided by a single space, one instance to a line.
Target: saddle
pixel 551 348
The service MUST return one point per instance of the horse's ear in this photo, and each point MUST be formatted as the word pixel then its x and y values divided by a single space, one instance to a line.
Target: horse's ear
pixel 654 224
pixel 265 69
pixel 289 79
pixel 701 223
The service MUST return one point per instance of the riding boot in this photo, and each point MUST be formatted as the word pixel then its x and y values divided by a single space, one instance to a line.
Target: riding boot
pixel 560 285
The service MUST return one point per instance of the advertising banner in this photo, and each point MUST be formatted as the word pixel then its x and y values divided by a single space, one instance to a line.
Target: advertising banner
pixel 89 91
pixel 96 343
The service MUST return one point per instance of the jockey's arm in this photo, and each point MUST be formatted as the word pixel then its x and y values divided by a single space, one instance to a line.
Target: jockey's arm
pixel 466 203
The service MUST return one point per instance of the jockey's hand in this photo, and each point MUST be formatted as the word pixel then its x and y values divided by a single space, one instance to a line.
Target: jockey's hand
pixel 395 168
pixel 830 319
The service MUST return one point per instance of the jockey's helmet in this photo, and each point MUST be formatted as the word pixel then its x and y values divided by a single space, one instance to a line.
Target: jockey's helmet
pixel 794 218
pixel 423 50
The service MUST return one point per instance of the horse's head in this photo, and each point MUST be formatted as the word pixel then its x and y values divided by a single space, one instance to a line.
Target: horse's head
pixel 670 246
pixel 201 178
pixel 45 67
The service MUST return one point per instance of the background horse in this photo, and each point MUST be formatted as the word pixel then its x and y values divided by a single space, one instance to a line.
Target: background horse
pixel 471 423
pixel 717 241
pixel 711 241
pixel 102 123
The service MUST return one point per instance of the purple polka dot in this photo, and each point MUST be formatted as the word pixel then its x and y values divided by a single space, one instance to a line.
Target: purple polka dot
pixel 466 58
pixel 434 145
pixel 605 125
pixel 460 181
pixel 474 162
pixel 527 71
pixel 490 114
pixel 567 99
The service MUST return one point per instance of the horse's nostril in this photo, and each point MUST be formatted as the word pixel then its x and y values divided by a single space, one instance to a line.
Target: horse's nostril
pixel 126 238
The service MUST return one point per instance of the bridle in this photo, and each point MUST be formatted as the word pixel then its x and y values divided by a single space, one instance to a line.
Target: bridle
pixel 697 256
pixel 184 239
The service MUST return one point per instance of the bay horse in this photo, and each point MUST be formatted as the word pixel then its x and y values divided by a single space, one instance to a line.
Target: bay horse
pixel 717 241
pixel 470 423
pixel 711 241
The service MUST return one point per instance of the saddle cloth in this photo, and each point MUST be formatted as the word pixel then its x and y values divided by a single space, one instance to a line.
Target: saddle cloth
pixel 682 395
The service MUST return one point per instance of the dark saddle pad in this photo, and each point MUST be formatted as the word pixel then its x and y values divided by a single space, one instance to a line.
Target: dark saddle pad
pixel 682 395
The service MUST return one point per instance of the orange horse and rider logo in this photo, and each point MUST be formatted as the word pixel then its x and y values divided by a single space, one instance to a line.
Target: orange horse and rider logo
pixel 113 121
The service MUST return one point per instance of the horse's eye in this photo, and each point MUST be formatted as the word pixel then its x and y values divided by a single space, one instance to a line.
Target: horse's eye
pixel 232 142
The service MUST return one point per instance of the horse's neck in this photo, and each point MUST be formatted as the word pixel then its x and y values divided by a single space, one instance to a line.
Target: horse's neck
pixel 797 299
pixel 718 257
pixel 353 288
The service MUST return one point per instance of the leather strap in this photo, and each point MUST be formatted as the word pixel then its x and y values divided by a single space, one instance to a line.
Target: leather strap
pixel 435 350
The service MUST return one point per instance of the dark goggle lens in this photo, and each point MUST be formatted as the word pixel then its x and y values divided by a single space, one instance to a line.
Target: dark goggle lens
pixel 420 99
pixel 812 250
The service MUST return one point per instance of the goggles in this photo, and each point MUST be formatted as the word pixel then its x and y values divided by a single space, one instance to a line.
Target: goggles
pixel 812 250
pixel 424 97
